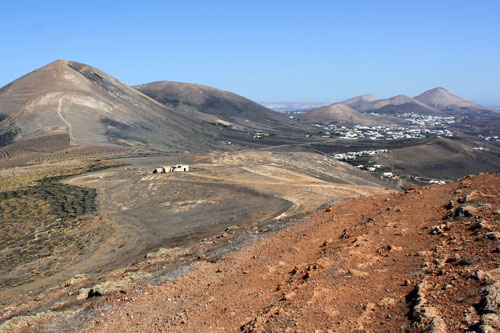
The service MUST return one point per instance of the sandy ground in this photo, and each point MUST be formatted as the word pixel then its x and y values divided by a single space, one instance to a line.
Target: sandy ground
pixel 427 259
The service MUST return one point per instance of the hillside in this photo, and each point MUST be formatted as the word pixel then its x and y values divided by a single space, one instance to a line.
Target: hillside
pixel 439 158
pixel 338 113
pixel 93 108
pixel 424 260
pixel 442 99
pixel 204 102
pixel 91 228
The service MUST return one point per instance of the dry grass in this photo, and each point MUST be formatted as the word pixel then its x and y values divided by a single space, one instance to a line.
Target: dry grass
pixel 44 223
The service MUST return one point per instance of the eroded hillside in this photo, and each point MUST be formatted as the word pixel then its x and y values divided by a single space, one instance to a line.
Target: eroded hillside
pixel 426 259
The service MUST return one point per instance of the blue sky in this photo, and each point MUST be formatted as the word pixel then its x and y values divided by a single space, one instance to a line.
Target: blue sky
pixel 311 51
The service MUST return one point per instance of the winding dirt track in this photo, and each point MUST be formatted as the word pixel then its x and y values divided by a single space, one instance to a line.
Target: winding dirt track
pixel 68 124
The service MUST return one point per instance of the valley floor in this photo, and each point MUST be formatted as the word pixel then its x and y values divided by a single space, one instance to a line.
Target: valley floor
pixel 427 259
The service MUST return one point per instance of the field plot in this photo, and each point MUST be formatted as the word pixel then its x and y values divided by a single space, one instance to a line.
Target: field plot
pixel 45 225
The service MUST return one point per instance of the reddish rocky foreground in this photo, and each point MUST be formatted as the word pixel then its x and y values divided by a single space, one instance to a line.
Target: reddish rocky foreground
pixel 424 260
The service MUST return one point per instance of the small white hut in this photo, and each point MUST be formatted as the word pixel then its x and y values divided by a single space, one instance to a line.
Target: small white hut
pixel 176 168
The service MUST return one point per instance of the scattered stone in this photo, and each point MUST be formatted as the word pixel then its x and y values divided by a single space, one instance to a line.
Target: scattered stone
pixel 387 302
pixel 437 229
pixel 83 294
pixel 490 300
pixel 326 242
pixel 424 317
pixel 491 320
pixel 466 261
pixel 86 293
pixel 289 296
pixel 344 235
pixel 357 273
pixel 451 204
pixel 493 235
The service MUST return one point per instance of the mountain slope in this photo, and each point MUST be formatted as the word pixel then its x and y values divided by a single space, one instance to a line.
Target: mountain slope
pixel 420 261
pixel 203 101
pixel 338 113
pixel 395 105
pixel 440 158
pixel 355 102
pixel 442 99
pixel 93 108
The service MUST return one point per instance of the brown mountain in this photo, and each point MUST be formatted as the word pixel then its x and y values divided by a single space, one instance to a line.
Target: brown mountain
pixel 357 101
pixel 395 105
pixel 93 108
pixel 338 113
pixel 204 102
pixel 442 99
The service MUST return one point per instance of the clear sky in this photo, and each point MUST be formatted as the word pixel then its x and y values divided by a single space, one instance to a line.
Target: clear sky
pixel 310 51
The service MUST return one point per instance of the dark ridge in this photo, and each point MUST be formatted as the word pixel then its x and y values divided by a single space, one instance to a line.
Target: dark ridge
pixel 8 137
pixel 114 123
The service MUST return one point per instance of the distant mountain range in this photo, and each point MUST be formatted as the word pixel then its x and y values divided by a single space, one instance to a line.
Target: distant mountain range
pixel 292 106
pixel 93 108
pixel 340 113
pixel 394 105
pixel 359 101
pixel 437 101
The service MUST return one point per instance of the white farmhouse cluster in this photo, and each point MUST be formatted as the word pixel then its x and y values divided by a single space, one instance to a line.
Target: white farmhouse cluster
pixel 172 168
pixel 437 181
pixel 353 154
pixel 430 121
pixel 495 138
pixel 382 132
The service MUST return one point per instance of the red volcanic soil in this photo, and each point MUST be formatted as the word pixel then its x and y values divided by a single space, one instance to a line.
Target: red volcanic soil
pixel 423 260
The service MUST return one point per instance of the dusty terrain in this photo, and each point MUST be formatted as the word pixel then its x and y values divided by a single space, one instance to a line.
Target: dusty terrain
pixel 440 158
pixel 424 260
pixel 58 241
pixel 220 191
